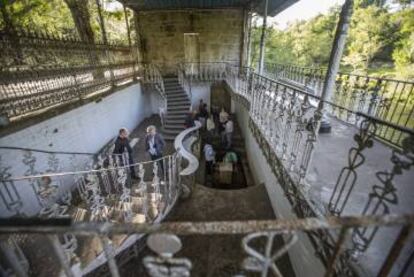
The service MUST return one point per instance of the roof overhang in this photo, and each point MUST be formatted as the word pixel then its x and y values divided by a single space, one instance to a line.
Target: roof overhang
pixel 274 6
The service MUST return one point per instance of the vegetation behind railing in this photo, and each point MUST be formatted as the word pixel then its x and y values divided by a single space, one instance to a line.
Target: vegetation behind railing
pixel 39 71
pixel 387 99
pixel 284 120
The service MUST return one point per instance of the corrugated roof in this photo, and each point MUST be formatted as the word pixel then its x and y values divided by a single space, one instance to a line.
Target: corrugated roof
pixel 275 6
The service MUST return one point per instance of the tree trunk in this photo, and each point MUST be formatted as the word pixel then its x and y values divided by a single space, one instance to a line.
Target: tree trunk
pixel 81 17
pixel 80 13
pixel 18 58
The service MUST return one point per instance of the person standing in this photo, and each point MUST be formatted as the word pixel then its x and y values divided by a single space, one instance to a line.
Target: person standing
pixel 122 145
pixel 154 145
pixel 228 130
pixel 189 120
pixel 210 127
pixel 209 156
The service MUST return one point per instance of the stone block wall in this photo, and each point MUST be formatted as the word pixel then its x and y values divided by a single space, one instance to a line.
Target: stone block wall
pixel 162 35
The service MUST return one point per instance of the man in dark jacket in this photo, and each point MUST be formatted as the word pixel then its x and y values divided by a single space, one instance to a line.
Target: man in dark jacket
pixel 154 145
pixel 122 145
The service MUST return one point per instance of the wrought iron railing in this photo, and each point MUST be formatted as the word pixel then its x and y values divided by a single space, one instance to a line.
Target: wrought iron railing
pixel 106 193
pixel 39 71
pixel 164 241
pixel 387 99
pixel 284 119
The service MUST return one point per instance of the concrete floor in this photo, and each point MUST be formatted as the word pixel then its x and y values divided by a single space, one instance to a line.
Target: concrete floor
pixel 330 156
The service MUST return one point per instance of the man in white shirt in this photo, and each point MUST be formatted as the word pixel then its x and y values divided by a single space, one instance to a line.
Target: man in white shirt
pixel 228 132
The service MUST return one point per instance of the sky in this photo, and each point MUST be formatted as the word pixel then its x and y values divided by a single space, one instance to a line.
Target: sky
pixel 304 9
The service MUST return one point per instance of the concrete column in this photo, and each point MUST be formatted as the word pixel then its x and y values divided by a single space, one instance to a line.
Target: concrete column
pixel 335 58
pixel 263 39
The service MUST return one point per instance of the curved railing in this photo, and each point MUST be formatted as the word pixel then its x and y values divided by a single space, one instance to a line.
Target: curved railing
pixel 183 141
pixel 105 194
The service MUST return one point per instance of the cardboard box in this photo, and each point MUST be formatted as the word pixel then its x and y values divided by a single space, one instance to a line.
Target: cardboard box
pixel 225 173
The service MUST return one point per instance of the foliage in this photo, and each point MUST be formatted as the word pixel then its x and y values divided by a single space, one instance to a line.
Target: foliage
pixel 54 17
pixel 380 40
pixel 371 31
pixel 403 54
pixel 51 16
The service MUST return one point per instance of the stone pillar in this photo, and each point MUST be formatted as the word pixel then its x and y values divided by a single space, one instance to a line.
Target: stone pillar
pixel 335 59
pixel 263 39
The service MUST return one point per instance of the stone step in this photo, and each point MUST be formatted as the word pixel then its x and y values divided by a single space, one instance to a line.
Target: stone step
pixel 178 97
pixel 172 86
pixel 176 129
pixel 178 102
pixel 174 122
pixel 178 112
pixel 171 80
pixel 178 108
pixel 176 116
pixel 175 92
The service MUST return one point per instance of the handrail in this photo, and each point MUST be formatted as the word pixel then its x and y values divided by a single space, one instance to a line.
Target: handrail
pixel 193 162
pixel 67 173
pixel 320 69
pixel 53 226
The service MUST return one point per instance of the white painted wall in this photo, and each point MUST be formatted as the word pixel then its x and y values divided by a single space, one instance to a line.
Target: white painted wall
pixel 84 129
pixel 302 254
pixel 200 90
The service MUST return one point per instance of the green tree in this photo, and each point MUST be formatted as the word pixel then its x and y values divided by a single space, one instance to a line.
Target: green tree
pixel 403 54
pixel 371 31
pixel 51 16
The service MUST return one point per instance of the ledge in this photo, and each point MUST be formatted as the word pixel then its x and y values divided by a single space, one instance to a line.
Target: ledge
pixel 179 147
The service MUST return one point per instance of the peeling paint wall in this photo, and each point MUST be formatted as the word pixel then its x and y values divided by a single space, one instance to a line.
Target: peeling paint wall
pixel 162 35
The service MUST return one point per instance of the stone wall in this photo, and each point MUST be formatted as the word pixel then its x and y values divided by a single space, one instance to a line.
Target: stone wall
pixel 162 35
pixel 85 129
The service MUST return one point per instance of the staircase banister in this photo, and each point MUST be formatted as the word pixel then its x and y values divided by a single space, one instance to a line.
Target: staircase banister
pixel 193 162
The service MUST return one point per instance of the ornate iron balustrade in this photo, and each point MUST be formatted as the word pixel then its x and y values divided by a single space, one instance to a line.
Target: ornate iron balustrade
pixel 387 99
pixel 39 71
pixel 105 194
pixel 165 244
pixel 284 120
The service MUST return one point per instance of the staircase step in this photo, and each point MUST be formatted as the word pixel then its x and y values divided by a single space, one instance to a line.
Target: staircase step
pixel 170 86
pixel 175 92
pixel 174 102
pixel 176 116
pixel 174 122
pixel 173 126
pixel 178 112
pixel 178 108
pixel 171 81
pixel 180 97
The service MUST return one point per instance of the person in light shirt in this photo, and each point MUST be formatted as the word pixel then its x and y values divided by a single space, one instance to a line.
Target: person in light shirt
pixel 154 145
pixel 228 133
